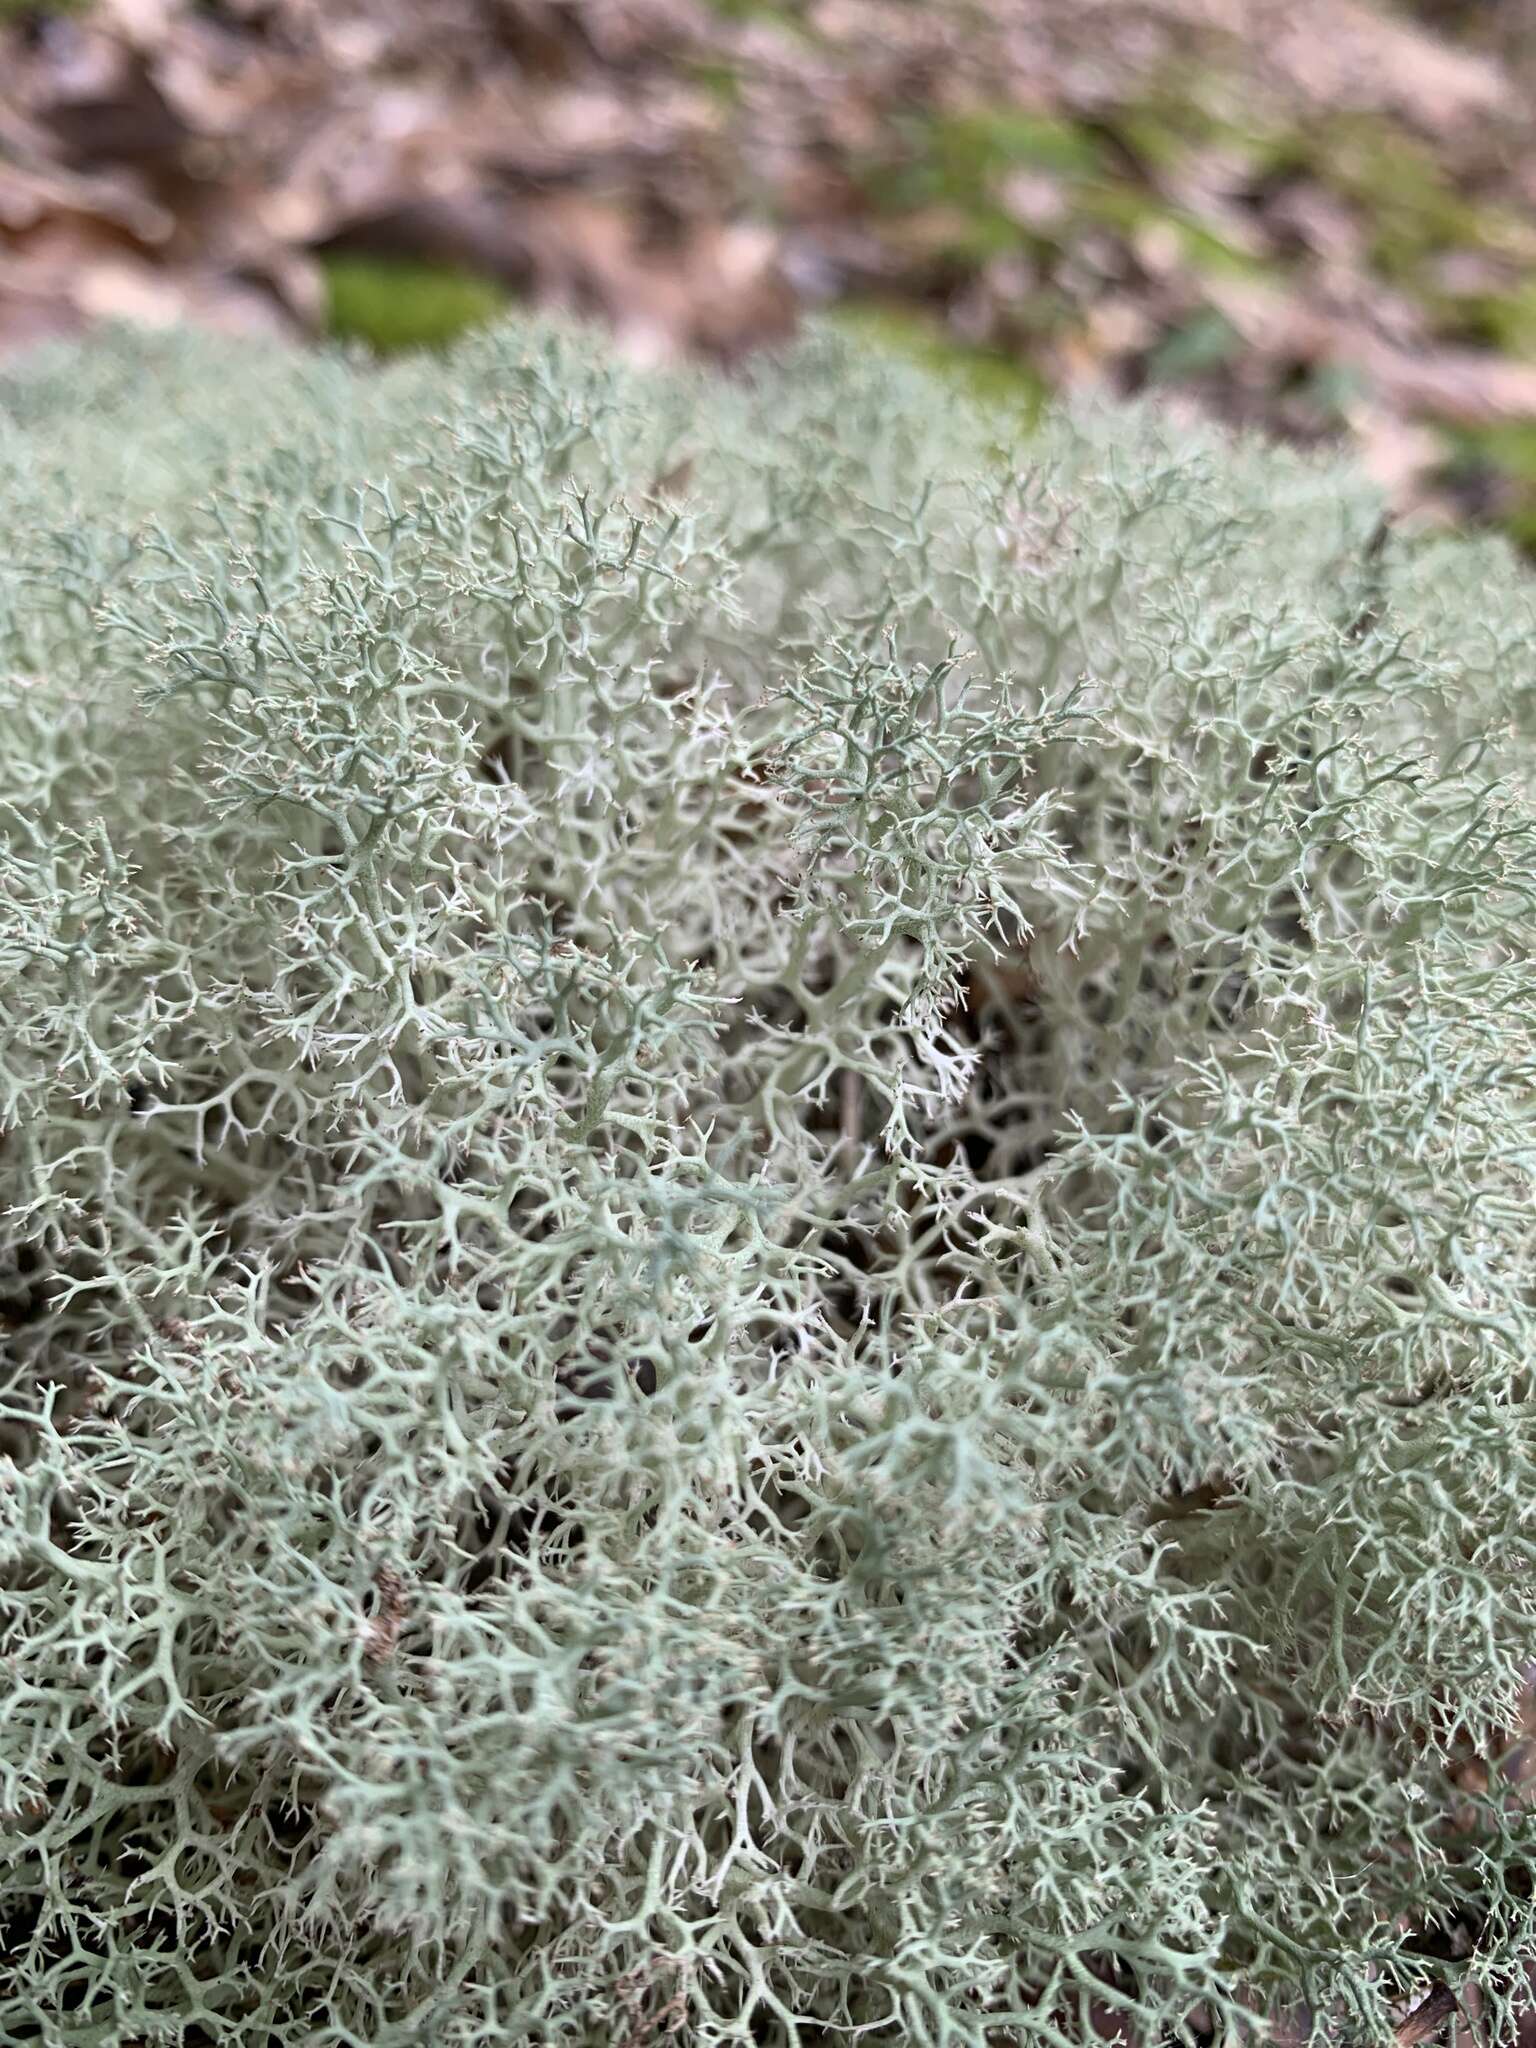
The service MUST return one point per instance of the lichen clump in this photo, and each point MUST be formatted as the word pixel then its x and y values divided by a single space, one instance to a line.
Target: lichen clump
pixel 768 1269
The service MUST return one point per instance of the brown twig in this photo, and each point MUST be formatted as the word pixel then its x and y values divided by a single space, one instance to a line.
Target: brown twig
pixel 851 1117
pixel 1426 2020
pixel 383 1628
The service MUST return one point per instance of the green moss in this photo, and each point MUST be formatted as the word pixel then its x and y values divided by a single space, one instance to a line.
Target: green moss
pixel 1503 320
pixel 958 160
pixel 1128 208
pixel 1411 209
pixel 1162 131
pixel 391 303
pixel 721 81
pixel 988 374
pixel 957 164
pixel 999 139
pixel 1206 341
pixel 1505 457
pixel 779 13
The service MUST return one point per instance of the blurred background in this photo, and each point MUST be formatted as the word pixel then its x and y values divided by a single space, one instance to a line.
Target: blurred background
pixel 1315 216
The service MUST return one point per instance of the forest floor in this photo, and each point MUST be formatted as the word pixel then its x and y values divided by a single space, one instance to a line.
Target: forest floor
pixel 1318 216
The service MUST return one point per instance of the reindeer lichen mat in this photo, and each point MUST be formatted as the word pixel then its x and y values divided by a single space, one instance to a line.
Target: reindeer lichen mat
pixel 768 1265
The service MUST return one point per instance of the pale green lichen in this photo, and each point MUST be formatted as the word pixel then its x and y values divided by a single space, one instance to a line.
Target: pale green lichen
pixel 768 1272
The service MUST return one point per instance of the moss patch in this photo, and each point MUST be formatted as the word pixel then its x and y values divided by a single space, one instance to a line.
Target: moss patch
pixel 392 303
pixel 777 13
pixel 956 164
pixel 988 374
pixel 1499 463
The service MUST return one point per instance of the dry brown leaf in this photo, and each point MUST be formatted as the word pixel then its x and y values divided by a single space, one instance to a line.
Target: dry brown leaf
pixel 1397 453
pixel 1459 385
pixel 30 199
pixel 144 23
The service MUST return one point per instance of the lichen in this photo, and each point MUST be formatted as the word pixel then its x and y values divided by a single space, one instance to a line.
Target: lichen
pixel 767 1189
